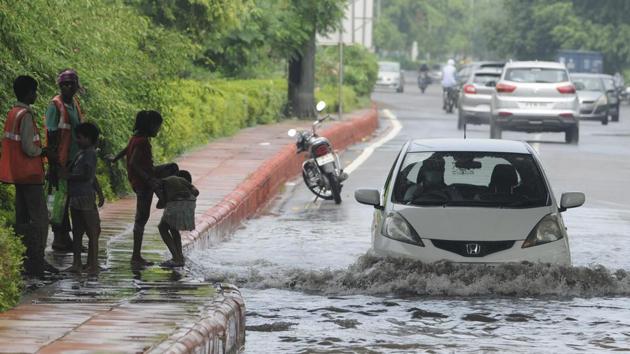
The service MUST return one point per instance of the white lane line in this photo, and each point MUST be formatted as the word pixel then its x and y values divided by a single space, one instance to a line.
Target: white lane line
pixel 536 145
pixel 368 151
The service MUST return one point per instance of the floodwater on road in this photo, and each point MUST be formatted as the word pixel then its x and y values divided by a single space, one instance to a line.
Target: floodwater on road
pixel 311 287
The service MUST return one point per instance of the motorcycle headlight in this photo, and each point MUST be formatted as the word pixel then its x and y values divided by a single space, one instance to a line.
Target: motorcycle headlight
pixel 397 228
pixel 547 230
pixel 602 100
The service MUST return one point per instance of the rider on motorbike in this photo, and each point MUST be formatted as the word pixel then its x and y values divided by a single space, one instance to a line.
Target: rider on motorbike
pixel 449 80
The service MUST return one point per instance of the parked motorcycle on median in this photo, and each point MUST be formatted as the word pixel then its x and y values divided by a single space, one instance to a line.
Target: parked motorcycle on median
pixel 321 171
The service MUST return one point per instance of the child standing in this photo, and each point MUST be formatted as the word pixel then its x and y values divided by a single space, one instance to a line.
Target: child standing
pixel 141 174
pixel 179 196
pixel 82 187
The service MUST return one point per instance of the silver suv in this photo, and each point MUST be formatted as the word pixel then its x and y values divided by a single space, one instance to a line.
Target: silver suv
pixel 535 96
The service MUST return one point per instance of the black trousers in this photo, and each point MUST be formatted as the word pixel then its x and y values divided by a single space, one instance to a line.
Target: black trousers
pixel 31 223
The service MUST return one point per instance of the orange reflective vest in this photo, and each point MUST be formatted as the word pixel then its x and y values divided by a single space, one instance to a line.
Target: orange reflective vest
pixel 65 129
pixel 16 167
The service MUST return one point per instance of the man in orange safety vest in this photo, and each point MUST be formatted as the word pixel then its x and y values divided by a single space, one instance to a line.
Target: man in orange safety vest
pixel 22 164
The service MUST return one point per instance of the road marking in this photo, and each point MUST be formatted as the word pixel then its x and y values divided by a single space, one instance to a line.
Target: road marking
pixel 368 151
pixel 536 145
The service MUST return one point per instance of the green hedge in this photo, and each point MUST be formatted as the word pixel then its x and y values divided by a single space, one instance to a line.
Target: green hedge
pixel 360 69
pixel 11 252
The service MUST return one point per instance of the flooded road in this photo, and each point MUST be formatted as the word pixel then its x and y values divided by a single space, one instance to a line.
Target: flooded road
pixel 311 285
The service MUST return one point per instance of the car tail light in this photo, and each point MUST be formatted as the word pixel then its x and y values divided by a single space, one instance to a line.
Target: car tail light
pixel 504 114
pixel 567 89
pixel 566 115
pixel 321 150
pixel 505 88
pixel 470 89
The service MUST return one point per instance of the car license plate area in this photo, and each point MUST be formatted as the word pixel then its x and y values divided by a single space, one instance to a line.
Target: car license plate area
pixel 322 160
pixel 534 105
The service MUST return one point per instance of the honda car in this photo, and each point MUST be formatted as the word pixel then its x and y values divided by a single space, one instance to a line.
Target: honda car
pixel 390 76
pixel 469 201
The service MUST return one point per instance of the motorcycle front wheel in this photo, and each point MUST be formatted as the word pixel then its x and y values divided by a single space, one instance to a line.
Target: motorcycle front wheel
pixel 311 179
pixel 335 187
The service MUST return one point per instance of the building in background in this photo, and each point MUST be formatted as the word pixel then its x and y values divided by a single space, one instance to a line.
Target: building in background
pixel 357 26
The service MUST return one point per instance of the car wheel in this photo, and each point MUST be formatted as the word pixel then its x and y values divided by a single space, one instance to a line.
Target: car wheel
pixel 399 89
pixel 461 120
pixel 572 135
pixel 495 131
pixel 605 120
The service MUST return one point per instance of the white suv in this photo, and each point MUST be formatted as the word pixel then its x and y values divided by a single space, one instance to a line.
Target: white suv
pixel 470 201
pixel 535 96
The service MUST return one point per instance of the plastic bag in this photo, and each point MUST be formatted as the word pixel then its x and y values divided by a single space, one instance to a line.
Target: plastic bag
pixel 59 198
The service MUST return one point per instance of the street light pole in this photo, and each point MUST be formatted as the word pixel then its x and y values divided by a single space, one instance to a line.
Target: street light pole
pixel 341 70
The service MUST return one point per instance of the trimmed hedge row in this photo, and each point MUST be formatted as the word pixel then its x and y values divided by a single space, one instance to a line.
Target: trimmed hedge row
pixel 11 252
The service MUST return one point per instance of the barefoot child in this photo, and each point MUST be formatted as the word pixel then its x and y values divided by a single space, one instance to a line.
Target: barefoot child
pixel 179 196
pixel 82 186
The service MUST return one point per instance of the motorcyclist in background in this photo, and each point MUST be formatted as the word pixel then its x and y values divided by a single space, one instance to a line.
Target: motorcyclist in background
pixel 449 79
pixel 423 77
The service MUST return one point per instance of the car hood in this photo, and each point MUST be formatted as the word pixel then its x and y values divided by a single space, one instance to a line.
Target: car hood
pixel 589 95
pixel 472 224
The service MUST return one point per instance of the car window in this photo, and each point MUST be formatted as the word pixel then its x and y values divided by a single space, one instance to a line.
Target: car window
pixel 539 75
pixel 588 83
pixel 484 78
pixel 389 67
pixel 474 179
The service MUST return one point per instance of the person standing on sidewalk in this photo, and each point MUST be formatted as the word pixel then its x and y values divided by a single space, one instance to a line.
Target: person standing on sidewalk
pixel 62 117
pixel 82 187
pixel 142 177
pixel 22 164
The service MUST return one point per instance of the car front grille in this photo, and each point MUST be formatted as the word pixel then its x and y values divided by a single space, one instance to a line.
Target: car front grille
pixel 473 248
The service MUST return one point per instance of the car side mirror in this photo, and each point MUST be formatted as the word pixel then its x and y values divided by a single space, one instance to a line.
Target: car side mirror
pixel 491 83
pixel 369 197
pixel 571 200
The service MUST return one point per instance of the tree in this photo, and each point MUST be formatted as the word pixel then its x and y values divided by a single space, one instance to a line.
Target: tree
pixel 315 17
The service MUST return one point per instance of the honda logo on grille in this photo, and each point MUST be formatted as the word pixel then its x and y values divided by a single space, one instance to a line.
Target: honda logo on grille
pixel 473 249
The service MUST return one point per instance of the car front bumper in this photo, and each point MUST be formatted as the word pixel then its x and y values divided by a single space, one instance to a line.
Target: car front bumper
pixel 553 252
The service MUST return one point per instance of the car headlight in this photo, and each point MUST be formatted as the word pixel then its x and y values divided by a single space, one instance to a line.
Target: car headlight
pixel 396 227
pixel 602 101
pixel 547 230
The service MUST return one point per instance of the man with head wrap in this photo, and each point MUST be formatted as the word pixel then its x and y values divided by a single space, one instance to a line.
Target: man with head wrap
pixel 62 116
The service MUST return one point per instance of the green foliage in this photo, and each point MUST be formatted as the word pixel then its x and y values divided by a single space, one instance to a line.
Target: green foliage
pixel 360 68
pixel 11 254
pixel 198 112
pixel 538 29
pixel 330 95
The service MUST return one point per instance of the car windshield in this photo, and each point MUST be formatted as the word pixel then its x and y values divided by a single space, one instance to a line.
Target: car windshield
pixel 588 83
pixel 389 67
pixel 471 179
pixel 539 75
pixel 484 78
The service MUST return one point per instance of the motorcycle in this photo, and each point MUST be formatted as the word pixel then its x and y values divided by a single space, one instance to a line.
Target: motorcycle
pixel 321 171
pixel 423 81
pixel 450 94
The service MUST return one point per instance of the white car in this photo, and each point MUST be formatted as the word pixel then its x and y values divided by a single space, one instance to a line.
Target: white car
pixel 535 96
pixel 390 76
pixel 469 201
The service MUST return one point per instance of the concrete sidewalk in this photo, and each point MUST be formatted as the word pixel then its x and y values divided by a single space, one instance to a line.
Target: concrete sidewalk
pixel 158 309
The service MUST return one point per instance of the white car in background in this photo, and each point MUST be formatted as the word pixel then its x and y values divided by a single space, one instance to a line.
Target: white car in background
pixel 469 201
pixel 390 76
pixel 535 96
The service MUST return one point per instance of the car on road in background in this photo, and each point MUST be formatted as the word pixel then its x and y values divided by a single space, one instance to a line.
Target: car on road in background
pixel 613 97
pixel 469 201
pixel 593 98
pixel 475 97
pixel 535 96
pixel 390 76
pixel 466 70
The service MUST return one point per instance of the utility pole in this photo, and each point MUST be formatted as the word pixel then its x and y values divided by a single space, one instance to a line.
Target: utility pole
pixel 341 70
